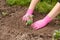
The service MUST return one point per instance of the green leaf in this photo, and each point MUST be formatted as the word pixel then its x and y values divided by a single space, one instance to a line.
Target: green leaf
pixel 29 22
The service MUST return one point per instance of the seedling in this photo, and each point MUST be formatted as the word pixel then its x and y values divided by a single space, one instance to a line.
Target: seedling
pixel 56 35
pixel 29 22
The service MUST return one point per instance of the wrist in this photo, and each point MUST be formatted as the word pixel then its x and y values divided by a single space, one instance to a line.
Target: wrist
pixel 47 19
pixel 29 11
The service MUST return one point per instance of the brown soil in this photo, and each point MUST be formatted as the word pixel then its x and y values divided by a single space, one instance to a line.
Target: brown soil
pixel 12 27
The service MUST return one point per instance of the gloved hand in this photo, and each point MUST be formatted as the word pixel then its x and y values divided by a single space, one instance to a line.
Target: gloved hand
pixel 41 23
pixel 28 17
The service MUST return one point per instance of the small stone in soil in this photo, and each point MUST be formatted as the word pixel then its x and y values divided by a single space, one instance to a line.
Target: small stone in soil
pixel 4 13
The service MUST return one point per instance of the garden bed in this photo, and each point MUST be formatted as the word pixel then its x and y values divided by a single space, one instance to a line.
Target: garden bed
pixel 12 27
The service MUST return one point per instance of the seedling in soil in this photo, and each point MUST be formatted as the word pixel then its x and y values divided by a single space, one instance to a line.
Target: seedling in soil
pixel 4 14
pixel 56 35
pixel 29 22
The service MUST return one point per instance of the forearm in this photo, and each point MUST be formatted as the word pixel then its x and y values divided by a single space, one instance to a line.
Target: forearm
pixel 55 11
pixel 33 4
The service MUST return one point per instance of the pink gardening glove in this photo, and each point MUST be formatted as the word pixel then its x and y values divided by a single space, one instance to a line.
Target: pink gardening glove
pixel 27 15
pixel 41 23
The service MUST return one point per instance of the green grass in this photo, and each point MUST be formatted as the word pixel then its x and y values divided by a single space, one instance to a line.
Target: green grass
pixel 44 6
pixel 18 2
pixel 10 2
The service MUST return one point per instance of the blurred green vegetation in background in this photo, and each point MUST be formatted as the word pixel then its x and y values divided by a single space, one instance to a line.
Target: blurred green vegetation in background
pixel 43 7
pixel 18 2
pixel 56 35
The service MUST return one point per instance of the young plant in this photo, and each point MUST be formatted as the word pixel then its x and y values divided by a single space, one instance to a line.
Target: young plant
pixel 29 22
pixel 56 35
